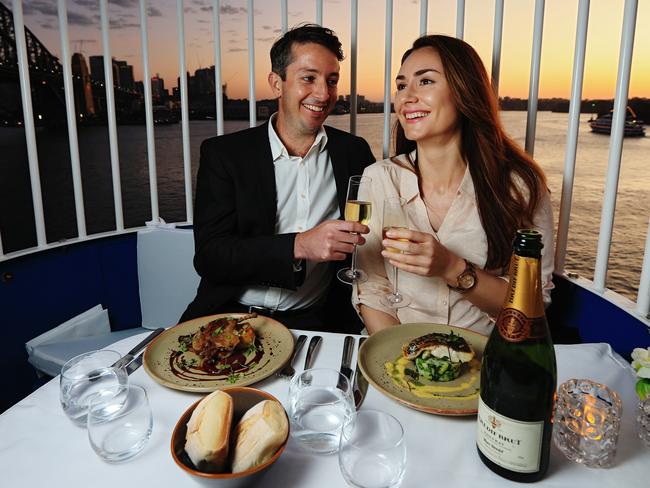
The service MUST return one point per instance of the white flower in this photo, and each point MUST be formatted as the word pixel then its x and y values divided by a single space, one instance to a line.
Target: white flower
pixel 641 362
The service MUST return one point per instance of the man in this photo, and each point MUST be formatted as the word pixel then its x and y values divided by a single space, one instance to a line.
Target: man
pixel 269 199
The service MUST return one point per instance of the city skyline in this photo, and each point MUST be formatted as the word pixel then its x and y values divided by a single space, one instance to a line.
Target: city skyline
pixel 557 49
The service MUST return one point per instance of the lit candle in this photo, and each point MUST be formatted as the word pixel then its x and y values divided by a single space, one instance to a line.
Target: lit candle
pixel 593 419
pixel 587 422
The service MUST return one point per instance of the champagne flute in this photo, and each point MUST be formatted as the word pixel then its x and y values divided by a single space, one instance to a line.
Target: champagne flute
pixel 394 217
pixel 356 210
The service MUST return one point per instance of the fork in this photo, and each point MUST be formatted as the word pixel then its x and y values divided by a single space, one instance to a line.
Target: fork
pixel 288 371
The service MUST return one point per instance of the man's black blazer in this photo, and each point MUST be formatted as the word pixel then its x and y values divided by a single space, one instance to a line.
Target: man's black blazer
pixel 235 214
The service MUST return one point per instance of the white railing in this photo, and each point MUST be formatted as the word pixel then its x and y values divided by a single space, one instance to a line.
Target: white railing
pixel 642 308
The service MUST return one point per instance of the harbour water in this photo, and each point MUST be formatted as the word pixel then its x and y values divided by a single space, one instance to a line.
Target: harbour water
pixel 16 210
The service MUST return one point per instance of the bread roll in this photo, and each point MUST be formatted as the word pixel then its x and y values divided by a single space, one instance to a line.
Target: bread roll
pixel 208 432
pixel 258 435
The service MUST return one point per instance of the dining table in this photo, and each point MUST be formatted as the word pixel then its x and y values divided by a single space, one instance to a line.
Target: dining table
pixel 40 446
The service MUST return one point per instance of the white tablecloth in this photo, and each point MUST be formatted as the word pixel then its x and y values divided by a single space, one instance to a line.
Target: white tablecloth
pixel 39 446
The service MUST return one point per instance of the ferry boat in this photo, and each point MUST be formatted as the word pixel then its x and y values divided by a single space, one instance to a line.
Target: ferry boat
pixel 603 124
pixel 143 277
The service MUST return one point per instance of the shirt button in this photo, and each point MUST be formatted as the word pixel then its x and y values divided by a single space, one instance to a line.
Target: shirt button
pixel 302 195
pixel 300 227
pixel 444 302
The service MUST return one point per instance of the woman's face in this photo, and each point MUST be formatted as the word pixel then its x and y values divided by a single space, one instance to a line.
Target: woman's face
pixel 423 100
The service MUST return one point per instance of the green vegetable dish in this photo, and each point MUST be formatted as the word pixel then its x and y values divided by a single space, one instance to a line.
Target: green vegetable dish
pixel 437 369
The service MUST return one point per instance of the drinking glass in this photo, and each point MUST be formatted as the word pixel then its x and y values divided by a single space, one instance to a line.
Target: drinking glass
pixel 120 426
pixel 373 451
pixel 356 210
pixel 394 217
pixel 88 375
pixel 320 401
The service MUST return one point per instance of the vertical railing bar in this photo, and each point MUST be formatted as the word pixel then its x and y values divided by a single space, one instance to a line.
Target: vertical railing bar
pixel 460 19
pixel 615 144
pixel 110 112
pixel 218 89
pixel 533 89
pixel 148 112
pixel 572 135
pixel 252 112
pixel 497 39
pixel 354 27
pixel 28 118
pixel 185 119
pixel 643 298
pixel 424 7
pixel 319 12
pixel 284 15
pixel 388 56
pixel 71 115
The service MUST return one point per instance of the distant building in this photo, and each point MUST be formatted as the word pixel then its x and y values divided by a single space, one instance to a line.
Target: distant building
pixel 127 81
pixel 83 93
pixel 158 92
pixel 97 68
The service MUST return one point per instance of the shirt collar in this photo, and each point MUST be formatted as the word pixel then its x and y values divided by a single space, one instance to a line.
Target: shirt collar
pixel 279 150
pixel 409 188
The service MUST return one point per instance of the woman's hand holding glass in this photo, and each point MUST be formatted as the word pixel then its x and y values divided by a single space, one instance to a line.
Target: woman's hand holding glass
pixel 417 252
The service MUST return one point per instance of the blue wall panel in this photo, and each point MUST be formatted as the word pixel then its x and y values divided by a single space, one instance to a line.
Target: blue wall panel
pixel 41 290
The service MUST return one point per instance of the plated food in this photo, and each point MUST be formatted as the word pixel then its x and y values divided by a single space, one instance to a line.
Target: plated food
pixel 437 357
pixel 218 351
pixel 430 367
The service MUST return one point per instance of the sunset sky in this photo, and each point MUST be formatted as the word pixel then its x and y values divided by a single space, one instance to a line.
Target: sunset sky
pixel 606 17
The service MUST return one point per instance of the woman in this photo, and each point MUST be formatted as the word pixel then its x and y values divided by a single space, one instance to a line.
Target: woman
pixel 468 187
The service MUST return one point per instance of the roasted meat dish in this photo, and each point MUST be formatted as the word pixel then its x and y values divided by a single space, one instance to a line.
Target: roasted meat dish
pixel 221 337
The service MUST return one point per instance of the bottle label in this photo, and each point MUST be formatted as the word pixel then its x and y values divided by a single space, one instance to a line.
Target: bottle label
pixel 512 444
pixel 524 292
pixel 514 326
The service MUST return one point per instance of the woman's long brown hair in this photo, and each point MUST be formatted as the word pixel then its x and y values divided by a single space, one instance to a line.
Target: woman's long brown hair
pixel 495 161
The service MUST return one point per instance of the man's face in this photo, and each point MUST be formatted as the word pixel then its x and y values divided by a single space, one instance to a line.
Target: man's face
pixel 309 92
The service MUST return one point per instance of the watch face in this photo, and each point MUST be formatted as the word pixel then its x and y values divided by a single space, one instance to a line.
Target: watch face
pixel 466 281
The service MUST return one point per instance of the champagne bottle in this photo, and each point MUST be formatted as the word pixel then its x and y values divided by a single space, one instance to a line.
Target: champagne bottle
pixel 518 374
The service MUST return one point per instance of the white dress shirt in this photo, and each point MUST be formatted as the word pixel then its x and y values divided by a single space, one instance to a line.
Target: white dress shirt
pixel 461 232
pixel 306 196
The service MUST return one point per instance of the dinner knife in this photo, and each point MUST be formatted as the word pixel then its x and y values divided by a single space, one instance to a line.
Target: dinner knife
pixel 128 357
pixel 360 384
pixel 311 351
pixel 135 364
pixel 346 363
pixel 346 357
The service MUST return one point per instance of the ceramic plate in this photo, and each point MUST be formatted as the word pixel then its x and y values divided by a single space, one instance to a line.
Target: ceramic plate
pixel 169 366
pixel 457 397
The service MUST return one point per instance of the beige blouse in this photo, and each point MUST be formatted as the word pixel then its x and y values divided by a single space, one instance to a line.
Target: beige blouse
pixel 461 232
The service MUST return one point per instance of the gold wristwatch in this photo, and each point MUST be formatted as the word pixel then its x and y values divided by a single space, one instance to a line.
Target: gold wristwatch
pixel 466 280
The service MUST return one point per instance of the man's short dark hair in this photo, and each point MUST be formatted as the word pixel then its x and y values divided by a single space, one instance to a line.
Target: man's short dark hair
pixel 303 34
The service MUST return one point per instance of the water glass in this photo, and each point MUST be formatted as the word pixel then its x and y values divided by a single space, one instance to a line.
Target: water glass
pixel 373 451
pixel 119 427
pixel 320 401
pixel 587 422
pixel 88 375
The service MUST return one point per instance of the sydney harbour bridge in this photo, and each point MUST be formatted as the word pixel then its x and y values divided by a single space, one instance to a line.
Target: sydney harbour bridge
pixel 46 78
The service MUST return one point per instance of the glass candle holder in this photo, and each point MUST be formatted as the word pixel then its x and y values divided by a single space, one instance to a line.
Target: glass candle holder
pixel 643 420
pixel 587 422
